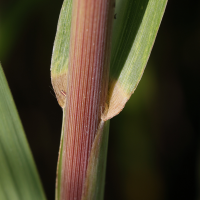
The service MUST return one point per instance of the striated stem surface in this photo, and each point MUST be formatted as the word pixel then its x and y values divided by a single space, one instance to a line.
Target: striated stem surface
pixel 87 86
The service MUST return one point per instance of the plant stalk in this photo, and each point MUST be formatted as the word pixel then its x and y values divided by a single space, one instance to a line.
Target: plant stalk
pixel 87 87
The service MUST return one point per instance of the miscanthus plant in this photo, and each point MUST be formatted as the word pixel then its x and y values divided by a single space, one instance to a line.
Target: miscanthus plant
pixel 99 55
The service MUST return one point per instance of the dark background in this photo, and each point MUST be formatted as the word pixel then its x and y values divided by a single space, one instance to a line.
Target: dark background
pixel 154 151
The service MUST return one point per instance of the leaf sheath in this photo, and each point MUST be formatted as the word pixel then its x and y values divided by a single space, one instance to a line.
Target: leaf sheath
pixel 87 85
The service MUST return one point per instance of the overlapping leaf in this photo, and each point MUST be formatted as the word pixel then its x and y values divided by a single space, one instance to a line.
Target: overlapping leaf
pixel 134 33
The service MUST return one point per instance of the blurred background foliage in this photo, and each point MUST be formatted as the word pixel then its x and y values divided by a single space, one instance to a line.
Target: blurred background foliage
pixel 154 144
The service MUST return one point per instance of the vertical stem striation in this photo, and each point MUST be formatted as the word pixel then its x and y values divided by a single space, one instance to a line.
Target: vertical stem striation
pixel 87 87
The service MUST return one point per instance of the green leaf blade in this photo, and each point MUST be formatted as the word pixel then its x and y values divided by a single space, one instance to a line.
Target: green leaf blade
pixel 140 51
pixel 18 174
pixel 134 33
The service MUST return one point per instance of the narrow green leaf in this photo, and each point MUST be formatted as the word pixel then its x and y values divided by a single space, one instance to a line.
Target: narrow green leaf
pixel 59 62
pixel 18 175
pixel 134 33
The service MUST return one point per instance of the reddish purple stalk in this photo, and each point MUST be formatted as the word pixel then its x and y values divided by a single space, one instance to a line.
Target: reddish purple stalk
pixel 86 89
